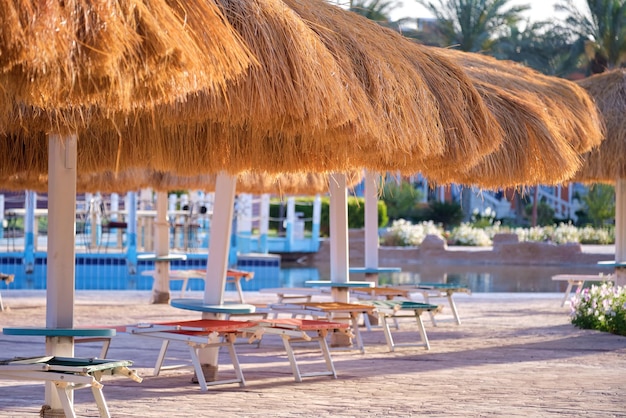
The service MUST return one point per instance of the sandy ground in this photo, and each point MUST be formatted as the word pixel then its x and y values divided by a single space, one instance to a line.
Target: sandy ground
pixel 514 355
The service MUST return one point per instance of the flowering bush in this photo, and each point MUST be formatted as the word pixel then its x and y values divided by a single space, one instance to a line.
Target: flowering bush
pixel 602 308
pixel 404 233
pixel 484 219
pixel 590 235
pixel 465 234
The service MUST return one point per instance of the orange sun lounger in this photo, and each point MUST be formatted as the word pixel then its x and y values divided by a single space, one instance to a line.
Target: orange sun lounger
pixel 205 333
pixel 332 311
pixel 197 334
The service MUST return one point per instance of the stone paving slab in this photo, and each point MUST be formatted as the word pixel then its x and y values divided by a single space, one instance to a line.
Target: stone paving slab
pixel 514 355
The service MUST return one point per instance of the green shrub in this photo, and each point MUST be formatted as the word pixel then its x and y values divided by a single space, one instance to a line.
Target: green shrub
pixel 448 214
pixel 278 211
pixel 600 203
pixel 402 201
pixel 545 213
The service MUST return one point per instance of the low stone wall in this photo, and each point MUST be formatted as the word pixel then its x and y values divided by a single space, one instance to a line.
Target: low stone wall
pixel 506 250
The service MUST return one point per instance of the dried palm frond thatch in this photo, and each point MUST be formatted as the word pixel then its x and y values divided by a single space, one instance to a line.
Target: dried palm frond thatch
pixel 404 105
pixel 135 179
pixel 299 84
pixel 296 103
pixel 419 97
pixel 118 55
pixel 548 123
pixel 255 182
pixel 607 163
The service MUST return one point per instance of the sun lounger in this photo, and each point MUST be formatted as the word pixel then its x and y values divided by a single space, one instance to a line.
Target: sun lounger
pixel 439 290
pixel 302 330
pixel 301 294
pixel 6 279
pixel 223 333
pixel 393 309
pixel 332 311
pixel 198 305
pixel 388 293
pixel 577 280
pixel 232 276
pixel 68 374
pixel 76 335
pixel 197 334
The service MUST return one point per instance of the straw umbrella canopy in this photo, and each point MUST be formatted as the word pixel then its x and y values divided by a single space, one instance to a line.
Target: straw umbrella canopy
pixel 406 105
pixel 118 55
pixel 407 85
pixel 253 182
pixel 607 163
pixel 548 122
pixel 65 65
pixel 136 179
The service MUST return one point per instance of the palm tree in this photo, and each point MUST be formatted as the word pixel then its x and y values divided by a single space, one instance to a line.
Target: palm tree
pixel 544 46
pixel 473 25
pixel 377 10
pixel 602 30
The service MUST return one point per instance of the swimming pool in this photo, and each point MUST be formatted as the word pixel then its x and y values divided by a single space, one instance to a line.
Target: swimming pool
pixel 111 272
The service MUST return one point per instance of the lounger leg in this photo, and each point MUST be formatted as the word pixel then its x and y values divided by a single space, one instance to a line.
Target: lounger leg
pixel 235 360
pixel 422 330
pixel 326 352
pixel 160 358
pixel 366 321
pixel 292 359
pixel 453 308
pixel 105 348
pixel 99 397
pixel 431 313
pixel 63 391
pixel 354 318
pixel 387 331
pixel 567 292
pixel 198 368
pixel 239 290
pixel 184 287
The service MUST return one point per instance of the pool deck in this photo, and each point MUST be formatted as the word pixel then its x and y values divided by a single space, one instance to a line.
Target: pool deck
pixel 515 355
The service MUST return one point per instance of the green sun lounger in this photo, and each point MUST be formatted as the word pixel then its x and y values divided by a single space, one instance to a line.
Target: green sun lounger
pixel 67 374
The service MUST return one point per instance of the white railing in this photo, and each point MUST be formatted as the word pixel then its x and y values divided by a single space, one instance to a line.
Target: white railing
pixel 563 208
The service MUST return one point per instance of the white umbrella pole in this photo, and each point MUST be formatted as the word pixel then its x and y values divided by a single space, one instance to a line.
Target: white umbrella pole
pixel 131 252
pixel 371 223
pixel 221 228
pixel 317 221
pixel 217 263
pixel 339 254
pixel 30 234
pixel 339 257
pixel 264 225
pixel 161 288
pixel 620 230
pixel 290 222
pixel 244 223
pixel 1 216
pixel 61 252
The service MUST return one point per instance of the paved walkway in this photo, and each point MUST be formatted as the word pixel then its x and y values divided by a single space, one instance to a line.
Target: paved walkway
pixel 515 355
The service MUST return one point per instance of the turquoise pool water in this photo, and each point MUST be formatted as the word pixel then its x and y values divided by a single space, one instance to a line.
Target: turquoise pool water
pixel 110 272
